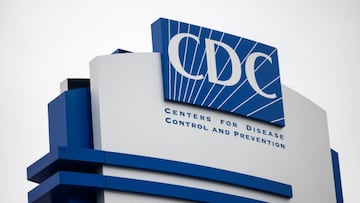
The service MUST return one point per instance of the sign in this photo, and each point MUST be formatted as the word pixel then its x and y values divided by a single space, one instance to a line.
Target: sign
pixel 141 147
pixel 135 119
pixel 220 71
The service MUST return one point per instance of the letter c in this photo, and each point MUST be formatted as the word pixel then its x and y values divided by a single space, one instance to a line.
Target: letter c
pixel 250 73
pixel 173 51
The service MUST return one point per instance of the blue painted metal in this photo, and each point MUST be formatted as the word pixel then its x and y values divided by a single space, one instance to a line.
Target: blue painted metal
pixel 67 187
pixel 337 176
pixel 66 159
pixel 82 182
pixel 70 122
pixel 72 150
pixel 120 51
pixel 198 171
pixel 88 160
pixel 240 97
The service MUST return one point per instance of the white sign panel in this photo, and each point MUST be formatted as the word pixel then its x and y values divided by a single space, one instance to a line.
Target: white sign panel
pixel 131 116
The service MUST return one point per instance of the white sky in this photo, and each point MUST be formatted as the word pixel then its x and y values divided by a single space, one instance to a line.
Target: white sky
pixel 43 42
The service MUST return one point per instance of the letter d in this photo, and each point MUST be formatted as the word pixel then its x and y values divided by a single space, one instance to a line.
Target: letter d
pixel 211 62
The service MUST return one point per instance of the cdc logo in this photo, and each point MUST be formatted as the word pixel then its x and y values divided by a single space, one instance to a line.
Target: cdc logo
pixel 219 71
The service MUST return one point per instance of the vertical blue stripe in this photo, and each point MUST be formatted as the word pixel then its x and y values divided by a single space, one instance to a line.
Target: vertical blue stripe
pixel 337 176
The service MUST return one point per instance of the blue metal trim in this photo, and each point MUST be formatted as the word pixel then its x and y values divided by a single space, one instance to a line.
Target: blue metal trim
pixel 67 159
pixel 99 182
pixel 173 191
pixel 337 176
pixel 120 51
pixel 198 171
pixel 72 181
pixel 70 122
pixel 90 159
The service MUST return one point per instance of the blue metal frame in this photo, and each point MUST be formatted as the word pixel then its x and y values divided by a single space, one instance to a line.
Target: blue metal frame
pixel 72 151
pixel 88 161
pixel 68 173
pixel 70 122
pixel 337 176
pixel 94 182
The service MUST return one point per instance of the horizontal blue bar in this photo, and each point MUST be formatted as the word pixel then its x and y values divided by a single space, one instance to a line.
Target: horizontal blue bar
pixel 87 159
pixel 66 159
pixel 198 171
pixel 82 181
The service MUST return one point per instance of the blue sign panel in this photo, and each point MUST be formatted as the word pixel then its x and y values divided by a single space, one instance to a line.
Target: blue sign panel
pixel 220 71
